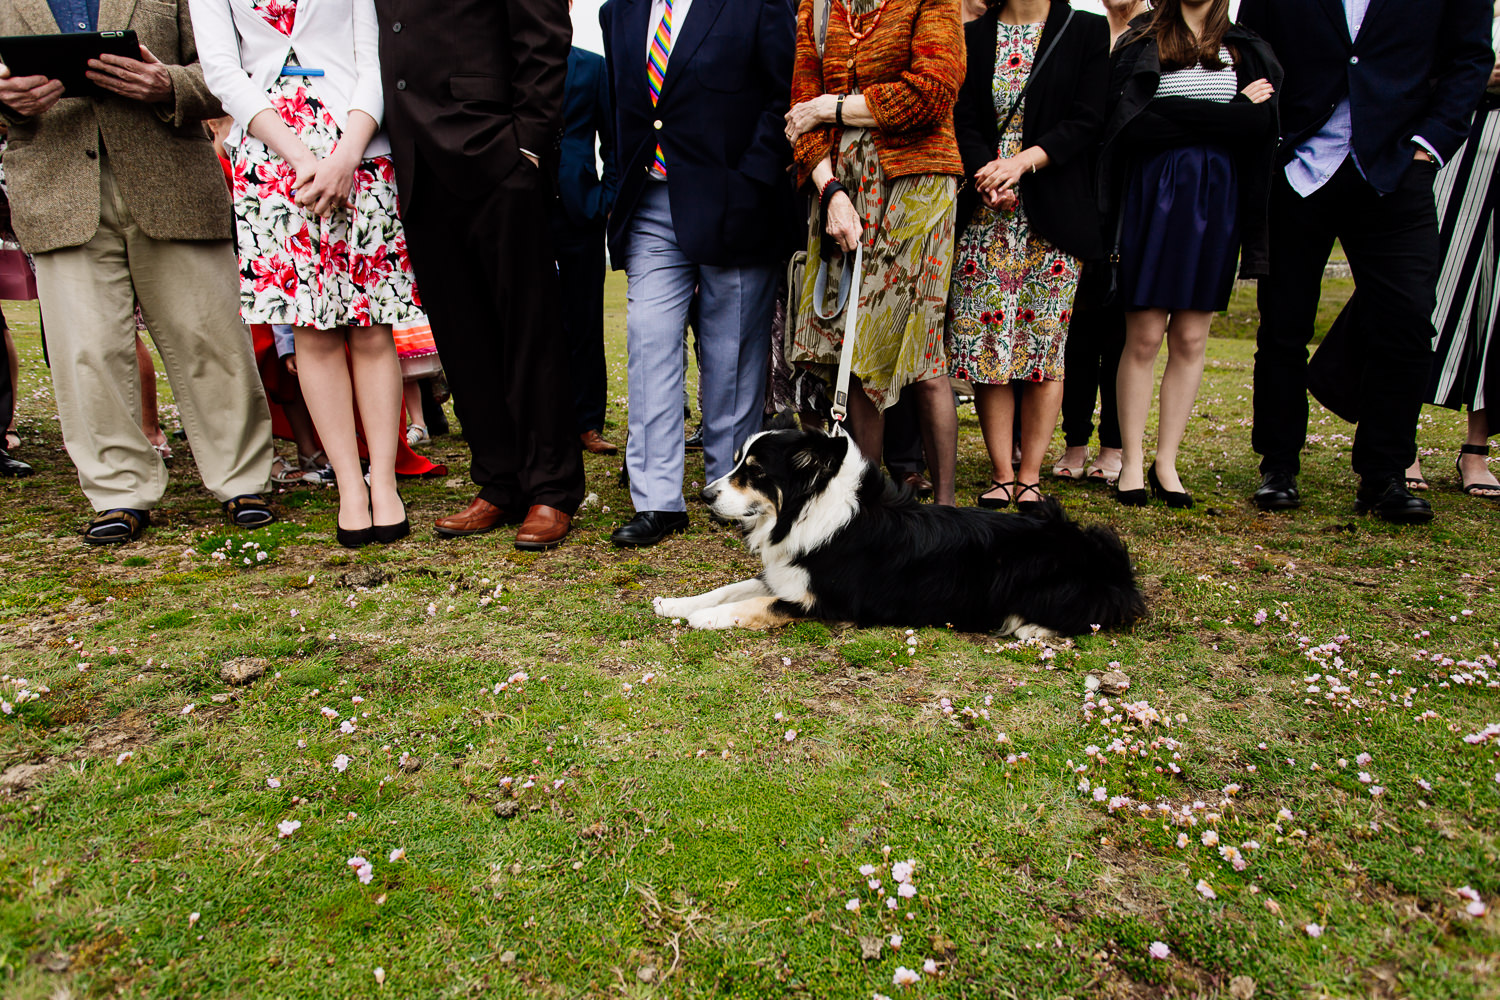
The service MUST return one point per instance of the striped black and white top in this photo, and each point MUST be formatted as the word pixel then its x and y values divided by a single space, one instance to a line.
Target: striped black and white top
pixel 1199 84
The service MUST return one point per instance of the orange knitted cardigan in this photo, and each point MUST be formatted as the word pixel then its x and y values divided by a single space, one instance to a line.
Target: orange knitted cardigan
pixel 909 69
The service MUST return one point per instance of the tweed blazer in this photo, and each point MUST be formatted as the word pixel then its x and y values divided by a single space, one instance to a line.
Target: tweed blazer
pixel 160 154
pixel 909 69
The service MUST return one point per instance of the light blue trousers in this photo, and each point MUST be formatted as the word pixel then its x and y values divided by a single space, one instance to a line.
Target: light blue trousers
pixel 736 309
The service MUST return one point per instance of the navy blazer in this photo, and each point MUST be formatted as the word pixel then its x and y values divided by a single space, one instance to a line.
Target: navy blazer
pixel 584 199
pixel 720 122
pixel 1418 68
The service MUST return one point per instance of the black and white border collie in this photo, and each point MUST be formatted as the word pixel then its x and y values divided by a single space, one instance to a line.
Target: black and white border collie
pixel 839 540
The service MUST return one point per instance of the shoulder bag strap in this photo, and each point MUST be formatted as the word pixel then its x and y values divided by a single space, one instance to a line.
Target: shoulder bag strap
pixel 1035 68
pixel 821 9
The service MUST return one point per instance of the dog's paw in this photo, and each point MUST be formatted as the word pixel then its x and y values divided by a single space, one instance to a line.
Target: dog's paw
pixel 1029 631
pixel 721 617
pixel 672 607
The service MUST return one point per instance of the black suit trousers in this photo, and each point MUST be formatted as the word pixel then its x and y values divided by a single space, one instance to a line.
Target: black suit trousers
pixel 580 269
pixel 485 271
pixel 1392 245
pixel 1091 360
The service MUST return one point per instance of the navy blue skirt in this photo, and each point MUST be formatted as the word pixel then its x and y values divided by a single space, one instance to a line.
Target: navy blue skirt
pixel 1180 242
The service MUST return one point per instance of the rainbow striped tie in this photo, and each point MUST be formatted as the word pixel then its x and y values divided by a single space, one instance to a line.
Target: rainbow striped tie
pixel 656 71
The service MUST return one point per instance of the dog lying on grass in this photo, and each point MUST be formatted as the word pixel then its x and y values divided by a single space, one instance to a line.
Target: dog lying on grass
pixel 839 540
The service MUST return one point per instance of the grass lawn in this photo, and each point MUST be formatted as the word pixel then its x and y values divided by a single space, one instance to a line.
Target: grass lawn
pixel 472 772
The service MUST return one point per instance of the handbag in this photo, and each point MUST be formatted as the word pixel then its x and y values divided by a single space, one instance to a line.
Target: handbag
pixel 17 280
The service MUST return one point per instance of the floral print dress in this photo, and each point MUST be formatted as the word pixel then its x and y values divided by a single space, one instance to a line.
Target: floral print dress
pixel 296 268
pixel 908 249
pixel 1012 293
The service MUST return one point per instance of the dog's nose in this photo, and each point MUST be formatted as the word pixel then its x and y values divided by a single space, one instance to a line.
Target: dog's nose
pixel 711 492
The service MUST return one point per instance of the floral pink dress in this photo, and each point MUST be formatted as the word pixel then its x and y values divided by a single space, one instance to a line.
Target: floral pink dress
pixel 296 268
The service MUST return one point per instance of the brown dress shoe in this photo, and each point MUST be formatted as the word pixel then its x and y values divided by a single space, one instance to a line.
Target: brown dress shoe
pixel 920 484
pixel 593 442
pixel 477 518
pixel 544 528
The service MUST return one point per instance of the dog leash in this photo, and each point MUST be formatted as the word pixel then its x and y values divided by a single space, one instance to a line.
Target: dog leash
pixel 840 408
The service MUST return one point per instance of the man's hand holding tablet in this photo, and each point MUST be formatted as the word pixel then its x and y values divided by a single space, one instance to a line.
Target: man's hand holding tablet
pixel 28 95
pixel 143 79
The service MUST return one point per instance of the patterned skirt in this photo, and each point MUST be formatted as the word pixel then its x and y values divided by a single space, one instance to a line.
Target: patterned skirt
pixel 1011 303
pixel 908 252
pixel 350 269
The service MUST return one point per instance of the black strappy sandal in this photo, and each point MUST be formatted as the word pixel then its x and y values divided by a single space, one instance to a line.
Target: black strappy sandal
pixel 995 503
pixel 1483 491
pixel 1029 506
pixel 249 511
pixel 116 527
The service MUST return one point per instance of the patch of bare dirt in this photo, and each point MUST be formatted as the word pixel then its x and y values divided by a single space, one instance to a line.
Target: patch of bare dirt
pixel 125 732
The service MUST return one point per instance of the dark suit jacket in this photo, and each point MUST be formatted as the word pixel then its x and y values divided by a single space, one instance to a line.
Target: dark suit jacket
pixel 584 200
pixel 468 88
pixel 1064 114
pixel 720 121
pixel 1418 68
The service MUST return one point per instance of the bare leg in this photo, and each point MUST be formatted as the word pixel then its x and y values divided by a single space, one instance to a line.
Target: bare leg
pixel 866 423
pixel 323 371
pixel 1476 468
pixel 939 422
pixel 150 422
pixel 13 362
pixel 377 390
pixel 1143 334
pixel 412 394
pixel 1187 342
pixel 295 409
pixel 996 406
pixel 1040 405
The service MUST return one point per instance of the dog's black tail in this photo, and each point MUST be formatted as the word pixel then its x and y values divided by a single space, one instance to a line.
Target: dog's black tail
pixel 1083 576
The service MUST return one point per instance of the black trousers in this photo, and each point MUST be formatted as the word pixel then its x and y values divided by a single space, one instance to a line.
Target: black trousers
pixel 1392 245
pixel 488 282
pixel 580 269
pixel 903 437
pixel 1091 361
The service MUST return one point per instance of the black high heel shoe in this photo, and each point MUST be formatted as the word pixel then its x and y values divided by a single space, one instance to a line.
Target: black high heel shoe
pixel 1177 501
pixel 1130 498
pixel 385 534
pixel 358 538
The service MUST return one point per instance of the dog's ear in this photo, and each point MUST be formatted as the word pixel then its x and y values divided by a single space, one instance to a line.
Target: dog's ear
pixel 820 453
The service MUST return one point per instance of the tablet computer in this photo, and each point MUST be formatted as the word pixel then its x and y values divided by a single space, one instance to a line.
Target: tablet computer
pixel 66 57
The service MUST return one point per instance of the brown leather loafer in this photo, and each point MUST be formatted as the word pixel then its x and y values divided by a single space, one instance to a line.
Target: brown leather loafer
pixel 544 528
pixel 477 518
pixel 595 444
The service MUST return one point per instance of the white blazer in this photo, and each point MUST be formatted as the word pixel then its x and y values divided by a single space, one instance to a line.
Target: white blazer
pixel 242 54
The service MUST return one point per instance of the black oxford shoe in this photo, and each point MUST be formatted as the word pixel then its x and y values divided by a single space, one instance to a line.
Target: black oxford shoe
pixel 1278 491
pixel 649 527
pixel 1390 500
pixel 13 467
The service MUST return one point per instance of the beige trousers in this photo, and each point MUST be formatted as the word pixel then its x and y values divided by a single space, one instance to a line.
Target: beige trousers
pixel 189 294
